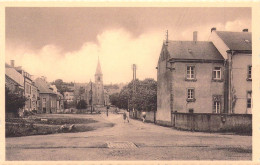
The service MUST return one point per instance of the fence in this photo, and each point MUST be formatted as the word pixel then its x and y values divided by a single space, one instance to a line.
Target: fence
pixel 237 123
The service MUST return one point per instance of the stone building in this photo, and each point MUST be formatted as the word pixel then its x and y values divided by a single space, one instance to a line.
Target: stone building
pixel 236 48
pixel 14 81
pixel 190 79
pixel 48 98
pixel 205 76
pixel 30 90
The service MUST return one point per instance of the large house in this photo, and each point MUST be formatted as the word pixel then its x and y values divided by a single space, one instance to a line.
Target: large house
pixel 48 98
pixel 205 76
pixel 29 88
pixel 14 81
pixel 236 48
pixel 190 79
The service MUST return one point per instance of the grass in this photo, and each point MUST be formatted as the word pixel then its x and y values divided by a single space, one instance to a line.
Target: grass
pixel 46 124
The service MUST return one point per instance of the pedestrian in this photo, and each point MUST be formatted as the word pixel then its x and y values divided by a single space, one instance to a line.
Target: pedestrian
pixel 107 110
pixel 124 116
pixel 144 116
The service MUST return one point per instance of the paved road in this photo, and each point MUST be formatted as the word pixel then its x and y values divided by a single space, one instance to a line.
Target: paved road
pixel 130 141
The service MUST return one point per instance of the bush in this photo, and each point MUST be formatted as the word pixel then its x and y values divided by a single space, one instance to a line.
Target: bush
pixel 13 102
pixel 82 104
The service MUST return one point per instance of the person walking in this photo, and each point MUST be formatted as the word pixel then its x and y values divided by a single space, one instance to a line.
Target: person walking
pixel 125 117
pixel 144 116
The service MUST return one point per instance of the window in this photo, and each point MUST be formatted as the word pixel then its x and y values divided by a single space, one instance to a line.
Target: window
pixel 190 95
pixel 44 102
pixel 27 88
pixel 217 103
pixel 191 110
pixel 249 95
pixel 217 106
pixel 217 73
pixel 190 72
pixel 249 73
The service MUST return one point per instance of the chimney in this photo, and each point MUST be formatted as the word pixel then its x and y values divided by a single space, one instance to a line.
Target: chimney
pixel 213 29
pixel 245 30
pixel 195 36
pixel 12 63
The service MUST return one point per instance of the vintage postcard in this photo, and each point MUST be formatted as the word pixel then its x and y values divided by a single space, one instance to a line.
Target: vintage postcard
pixel 128 82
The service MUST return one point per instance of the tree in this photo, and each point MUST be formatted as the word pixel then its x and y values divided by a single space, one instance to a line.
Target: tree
pixel 145 97
pixel 13 102
pixel 65 104
pixel 114 99
pixel 62 86
pixel 82 104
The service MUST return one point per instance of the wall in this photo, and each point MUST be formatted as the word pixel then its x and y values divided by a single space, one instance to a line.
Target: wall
pixel 240 63
pixel 163 92
pixel 219 44
pixel 204 88
pixel 238 123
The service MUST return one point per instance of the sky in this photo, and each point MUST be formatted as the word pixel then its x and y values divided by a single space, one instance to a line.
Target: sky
pixel 65 43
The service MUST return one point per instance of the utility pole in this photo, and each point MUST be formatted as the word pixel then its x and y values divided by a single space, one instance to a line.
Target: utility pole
pixel 134 87
pixel 91 97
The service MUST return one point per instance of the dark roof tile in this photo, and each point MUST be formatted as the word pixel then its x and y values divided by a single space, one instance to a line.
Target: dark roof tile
pixel 236 40
pixel 193 50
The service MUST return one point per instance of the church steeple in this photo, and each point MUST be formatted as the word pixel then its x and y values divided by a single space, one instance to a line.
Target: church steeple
pixel 98 70
pixel 99 88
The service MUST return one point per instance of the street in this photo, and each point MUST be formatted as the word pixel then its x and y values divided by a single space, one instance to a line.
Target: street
pixel 130 141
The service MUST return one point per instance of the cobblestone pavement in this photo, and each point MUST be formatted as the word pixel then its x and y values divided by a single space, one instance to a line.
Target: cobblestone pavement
pixel 130 141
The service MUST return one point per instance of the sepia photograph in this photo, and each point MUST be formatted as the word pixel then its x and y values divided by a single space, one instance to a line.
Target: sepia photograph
pixel 128 83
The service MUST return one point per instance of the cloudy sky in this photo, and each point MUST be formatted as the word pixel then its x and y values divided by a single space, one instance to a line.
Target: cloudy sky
pixel 66 42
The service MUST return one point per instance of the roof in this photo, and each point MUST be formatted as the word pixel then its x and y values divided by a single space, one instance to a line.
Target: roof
pixel 14 75
pixel 193 50
pixel 98 70
pixel 236 40
pixel 43 86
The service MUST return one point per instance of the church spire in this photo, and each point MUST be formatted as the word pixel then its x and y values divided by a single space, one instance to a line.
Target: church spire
pixel 98 70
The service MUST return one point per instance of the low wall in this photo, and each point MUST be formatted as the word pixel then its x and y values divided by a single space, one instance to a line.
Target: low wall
pixel 149 116
pixel 237 123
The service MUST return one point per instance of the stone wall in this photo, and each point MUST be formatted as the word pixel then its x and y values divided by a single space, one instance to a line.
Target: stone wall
pixel 236 123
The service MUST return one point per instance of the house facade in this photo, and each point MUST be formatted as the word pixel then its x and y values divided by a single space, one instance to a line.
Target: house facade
pixel 205 76
pixel 190 77
pixel 236 48
pixel 68 96
pixel 14 81
pixel 48 98
pixel 30 91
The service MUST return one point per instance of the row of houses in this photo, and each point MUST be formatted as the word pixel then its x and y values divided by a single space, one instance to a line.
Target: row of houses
pixel 40 95
pixel 45 98
pixel 212 76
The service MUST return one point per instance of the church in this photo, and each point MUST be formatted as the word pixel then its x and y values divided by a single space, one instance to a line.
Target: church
pixel 93 92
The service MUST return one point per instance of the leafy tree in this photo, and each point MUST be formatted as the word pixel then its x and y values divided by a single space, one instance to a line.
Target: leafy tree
pixel 62 86
pixel 145 97
pixel 82 104
pixel 114 99
pixel 13 102
pixel 65 104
